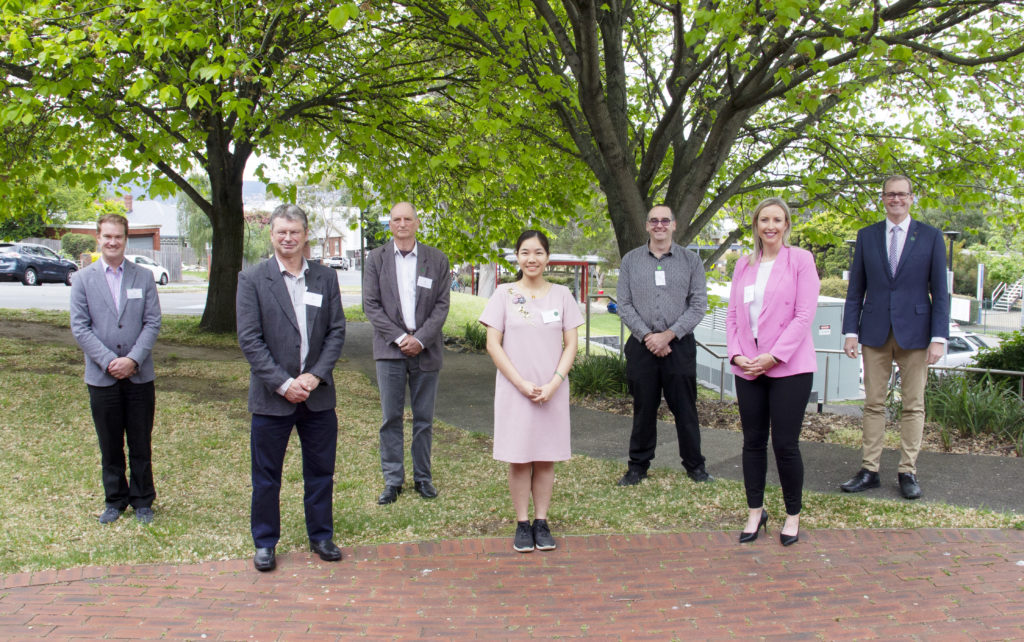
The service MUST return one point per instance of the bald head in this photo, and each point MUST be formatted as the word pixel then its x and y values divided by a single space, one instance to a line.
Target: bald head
pixel 403 225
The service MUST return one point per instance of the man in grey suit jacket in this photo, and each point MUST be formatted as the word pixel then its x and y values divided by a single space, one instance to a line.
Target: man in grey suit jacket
pixel 291 328
pixel 115 318
pixel 406 288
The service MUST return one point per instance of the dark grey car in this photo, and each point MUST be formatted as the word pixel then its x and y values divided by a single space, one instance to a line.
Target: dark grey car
pixel 34 264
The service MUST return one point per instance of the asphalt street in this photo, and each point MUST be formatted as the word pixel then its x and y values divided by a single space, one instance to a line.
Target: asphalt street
pixel 175 298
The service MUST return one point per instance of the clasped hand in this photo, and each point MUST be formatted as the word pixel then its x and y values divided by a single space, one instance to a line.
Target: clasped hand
pixel 658 342
pixel 757 366
pixel 300 387
pixel 535 393
pixel 122 367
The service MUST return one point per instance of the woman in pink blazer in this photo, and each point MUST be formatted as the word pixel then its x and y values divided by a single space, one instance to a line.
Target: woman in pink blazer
pixel 772 303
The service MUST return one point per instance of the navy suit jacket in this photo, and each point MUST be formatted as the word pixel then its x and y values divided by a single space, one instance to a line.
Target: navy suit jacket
pixel 268 334
pixel 914 303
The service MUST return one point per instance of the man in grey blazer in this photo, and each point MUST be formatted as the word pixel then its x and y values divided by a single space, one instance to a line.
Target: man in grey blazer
pixel 406 288
pixel 291 328
pixel 115 318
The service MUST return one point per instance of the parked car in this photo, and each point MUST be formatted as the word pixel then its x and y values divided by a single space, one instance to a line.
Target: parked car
pixel 160 275
pixel 963 347
pixel 336 262
pixel 34 264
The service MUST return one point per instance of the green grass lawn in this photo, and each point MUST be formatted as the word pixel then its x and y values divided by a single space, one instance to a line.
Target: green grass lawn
pixel 52 491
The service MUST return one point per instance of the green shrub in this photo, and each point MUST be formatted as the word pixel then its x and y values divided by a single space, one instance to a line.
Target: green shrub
pixel 476 335
pixel 77 244
pixel 833 286
pixel 971 408
pixel 598 375
pixel 1008 356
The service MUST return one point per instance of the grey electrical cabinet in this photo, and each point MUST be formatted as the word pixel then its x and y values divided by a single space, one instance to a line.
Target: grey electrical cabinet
pixel 841 372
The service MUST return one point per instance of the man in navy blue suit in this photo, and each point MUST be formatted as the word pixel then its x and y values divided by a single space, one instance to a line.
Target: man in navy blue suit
pixel 897 307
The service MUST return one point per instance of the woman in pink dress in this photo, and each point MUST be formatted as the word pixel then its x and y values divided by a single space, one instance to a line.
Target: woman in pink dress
pixel 531 336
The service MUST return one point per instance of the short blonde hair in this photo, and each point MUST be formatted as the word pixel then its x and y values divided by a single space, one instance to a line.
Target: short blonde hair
pixel 755 257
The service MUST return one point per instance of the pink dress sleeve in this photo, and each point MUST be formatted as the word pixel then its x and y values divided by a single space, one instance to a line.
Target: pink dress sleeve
pixel 571 316
pixel 494 313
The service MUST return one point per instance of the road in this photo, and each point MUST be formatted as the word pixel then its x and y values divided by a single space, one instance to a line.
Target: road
pixel 175 298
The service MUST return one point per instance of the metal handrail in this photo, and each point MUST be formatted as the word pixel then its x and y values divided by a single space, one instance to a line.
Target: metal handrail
pixel 707 347
pixel 622 334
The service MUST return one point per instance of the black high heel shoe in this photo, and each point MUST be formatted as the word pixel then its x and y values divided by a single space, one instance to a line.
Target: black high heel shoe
pixel 746 537
pixel 789 540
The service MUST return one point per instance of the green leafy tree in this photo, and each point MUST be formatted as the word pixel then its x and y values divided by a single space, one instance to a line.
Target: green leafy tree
pixel 158 89
pixel 701 104
pixel 75 245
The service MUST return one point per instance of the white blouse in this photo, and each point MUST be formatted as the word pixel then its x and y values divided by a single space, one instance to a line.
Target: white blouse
pixel 764 270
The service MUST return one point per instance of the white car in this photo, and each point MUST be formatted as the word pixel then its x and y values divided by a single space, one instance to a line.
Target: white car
pixel 160 275
pixel 336 262
pixel 963 347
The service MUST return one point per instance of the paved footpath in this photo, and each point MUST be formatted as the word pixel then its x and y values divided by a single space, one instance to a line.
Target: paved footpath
pixel 838 585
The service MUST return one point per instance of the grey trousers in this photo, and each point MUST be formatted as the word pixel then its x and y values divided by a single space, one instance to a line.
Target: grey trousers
pixel 392 375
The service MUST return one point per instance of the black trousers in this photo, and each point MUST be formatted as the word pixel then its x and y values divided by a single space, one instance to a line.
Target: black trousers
pixel 125 411
pixel 773 406
pixel 649 377
pixel 318 436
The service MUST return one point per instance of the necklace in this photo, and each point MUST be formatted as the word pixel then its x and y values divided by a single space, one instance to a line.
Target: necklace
pixel 533 293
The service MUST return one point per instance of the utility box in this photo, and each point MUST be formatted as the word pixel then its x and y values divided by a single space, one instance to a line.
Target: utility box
pixel 843 373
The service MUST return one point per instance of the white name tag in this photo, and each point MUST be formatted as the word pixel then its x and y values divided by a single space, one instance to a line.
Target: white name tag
pixel 748 294
pixel 550 316
pixel 134 293
pixel 312 298
pixel 659 277
pixel 424 282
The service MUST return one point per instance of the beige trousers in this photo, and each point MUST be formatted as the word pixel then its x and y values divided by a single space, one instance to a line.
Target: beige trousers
pixel 913 376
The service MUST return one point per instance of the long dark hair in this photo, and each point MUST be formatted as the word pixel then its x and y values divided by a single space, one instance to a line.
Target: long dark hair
pixel 526 236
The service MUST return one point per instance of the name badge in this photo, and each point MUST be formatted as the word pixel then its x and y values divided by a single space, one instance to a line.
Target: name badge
pixel 748 294
pixel 550 316
pixel 659 277
pixel 134 293
pixel 312 298
pixel 424 282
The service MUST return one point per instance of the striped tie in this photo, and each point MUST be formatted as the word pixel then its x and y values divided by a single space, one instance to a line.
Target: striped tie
pixel 894 258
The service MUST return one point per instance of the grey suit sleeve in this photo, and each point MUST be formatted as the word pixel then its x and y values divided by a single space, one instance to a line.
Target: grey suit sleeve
pixel 151 320
pixel 334 339
pixel 373 305
pixel 81 326
pixel 696 299
pixel 430 329
pixel 250 334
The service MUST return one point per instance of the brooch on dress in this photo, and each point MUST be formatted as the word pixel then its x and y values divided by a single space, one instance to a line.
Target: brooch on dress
pixel 520 301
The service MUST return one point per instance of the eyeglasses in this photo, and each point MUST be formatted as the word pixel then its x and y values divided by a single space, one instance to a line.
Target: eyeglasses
pixel 891 196
pixel 654 222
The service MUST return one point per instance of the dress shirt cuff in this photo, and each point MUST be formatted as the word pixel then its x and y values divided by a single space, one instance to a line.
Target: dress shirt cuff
pixel 400 339
pixel 283 388
pixel 850 335
pixel 941 340
pixel 419 342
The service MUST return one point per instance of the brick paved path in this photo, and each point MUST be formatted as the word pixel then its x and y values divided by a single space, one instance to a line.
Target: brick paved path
pixel 850 584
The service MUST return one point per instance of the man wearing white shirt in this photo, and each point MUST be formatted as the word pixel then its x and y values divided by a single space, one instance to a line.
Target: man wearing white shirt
pixel 406 297
pixel 291 328
pixel 897 308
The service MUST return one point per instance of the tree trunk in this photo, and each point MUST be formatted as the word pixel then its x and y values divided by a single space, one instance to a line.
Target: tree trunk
pixel 228 238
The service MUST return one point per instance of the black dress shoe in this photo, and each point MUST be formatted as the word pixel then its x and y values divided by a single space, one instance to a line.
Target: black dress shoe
pixel 789 540
pixel 426 489
pixel 264 559
pixel 390 495
pixel 326 549
pixel 746 537
pixel 632 477
pixel 110 514
pixel 909 486
pixel 863 480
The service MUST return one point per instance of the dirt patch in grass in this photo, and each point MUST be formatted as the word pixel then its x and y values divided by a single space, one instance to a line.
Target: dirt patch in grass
pixel 824 427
